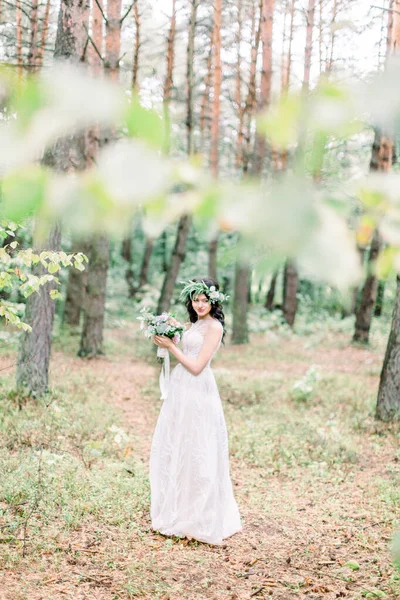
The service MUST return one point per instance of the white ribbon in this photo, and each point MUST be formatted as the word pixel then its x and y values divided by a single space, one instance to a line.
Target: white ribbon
pixel 164 375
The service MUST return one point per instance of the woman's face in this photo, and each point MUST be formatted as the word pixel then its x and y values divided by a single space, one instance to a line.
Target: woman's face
pixel 201 305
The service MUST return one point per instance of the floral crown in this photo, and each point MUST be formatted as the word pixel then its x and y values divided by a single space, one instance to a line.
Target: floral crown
pixel 195 288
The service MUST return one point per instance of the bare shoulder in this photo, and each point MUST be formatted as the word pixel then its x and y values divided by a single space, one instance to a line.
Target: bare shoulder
pixel 216 325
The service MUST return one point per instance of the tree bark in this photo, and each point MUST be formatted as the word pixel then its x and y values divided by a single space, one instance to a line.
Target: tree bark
pixel 266 79
pixel 43 38
pixel 32 53
pixel 269 302
pixel 368 295
pixel 251 100
pixel 113 39
pixel 290 287
pixel 212 258
pixel 205 100
pixel 240 331
pixel 35 346
pixel 136 51
pixel 18 21
pixel 217 79
pixel 66 155
pixel 94 306
pixel 178 256
pixel 380 294
pixel 333 36
pixel 309 44
pixel 76 290
pixel 388 404
pixel 169 82
pixel 189 75
pixel 238 91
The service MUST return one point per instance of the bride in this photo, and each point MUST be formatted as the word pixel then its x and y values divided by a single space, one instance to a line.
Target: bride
pixel 191 489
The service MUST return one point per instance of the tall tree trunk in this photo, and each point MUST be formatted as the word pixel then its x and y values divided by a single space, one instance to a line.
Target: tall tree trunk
pixel 240 331
pixel 18 21
pixel 243 271
pixel 290 287
pixel 113 39
pixel 189 75
pixel 76 290
pixel 388 402
pixel 43 38
pixel 238 91
pixel 266 79
pixel 95 299
pixel 215 123
pixel 309 44
pixel 169 82
pixel 178 256
pixel 251 100
pixel 217 80
pixel 205 99
pixel 136 51
pixel 32 53
pixel 35 347
pixel 333 35
pixel 164 263
pixel 381 161
pixel 269 301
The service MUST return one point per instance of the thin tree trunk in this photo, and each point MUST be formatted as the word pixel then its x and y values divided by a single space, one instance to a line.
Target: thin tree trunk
pixel 93 324
pixel 368 295
pixel 321 36
pixel 189 76
pixel 205 99
pixel 240 331
pixel 333 35
pixel 290 287
pixel 43 38
pixel 164 264
pixel 238 91
pixel 32 53
pixel 212 258
pixel 217 79
pixel 380 294
pixel 251 100
pixel 35 347
pixel 18 21
pixel 266 79
pixel 94 305
pixel 136 51
pixel 269 302
pixel 309 44
pixel 144 270
pixel 168 84
pixel 178 256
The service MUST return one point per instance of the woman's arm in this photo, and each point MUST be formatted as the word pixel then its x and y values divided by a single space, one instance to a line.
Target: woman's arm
pixel 194 365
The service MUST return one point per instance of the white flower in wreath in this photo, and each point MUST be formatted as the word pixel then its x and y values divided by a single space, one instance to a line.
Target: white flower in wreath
pixel 212 288
pixel 214 295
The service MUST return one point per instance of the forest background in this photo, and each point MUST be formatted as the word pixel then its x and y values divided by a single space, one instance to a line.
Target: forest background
pixel 145 143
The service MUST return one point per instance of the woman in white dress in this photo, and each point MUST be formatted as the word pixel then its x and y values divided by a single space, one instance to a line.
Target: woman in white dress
pixel 191 489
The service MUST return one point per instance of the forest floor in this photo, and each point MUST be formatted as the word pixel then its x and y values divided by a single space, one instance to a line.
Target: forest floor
pixel 317 480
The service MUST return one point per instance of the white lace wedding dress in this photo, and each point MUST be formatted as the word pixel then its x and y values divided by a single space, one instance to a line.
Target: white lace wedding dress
pixel 191 489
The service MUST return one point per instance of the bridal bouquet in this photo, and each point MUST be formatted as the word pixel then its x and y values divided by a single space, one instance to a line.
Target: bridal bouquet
pixel 164 324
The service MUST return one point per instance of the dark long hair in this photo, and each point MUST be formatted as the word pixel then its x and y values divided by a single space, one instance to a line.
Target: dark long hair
pixel 216 307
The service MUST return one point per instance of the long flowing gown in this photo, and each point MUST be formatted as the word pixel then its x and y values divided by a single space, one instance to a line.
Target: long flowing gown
pixel 191 489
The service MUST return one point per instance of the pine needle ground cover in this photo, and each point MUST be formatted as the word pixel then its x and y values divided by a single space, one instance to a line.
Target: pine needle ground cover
pixel 316 478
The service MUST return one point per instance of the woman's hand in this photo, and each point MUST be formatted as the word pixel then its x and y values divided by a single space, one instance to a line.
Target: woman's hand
pixel 162 341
